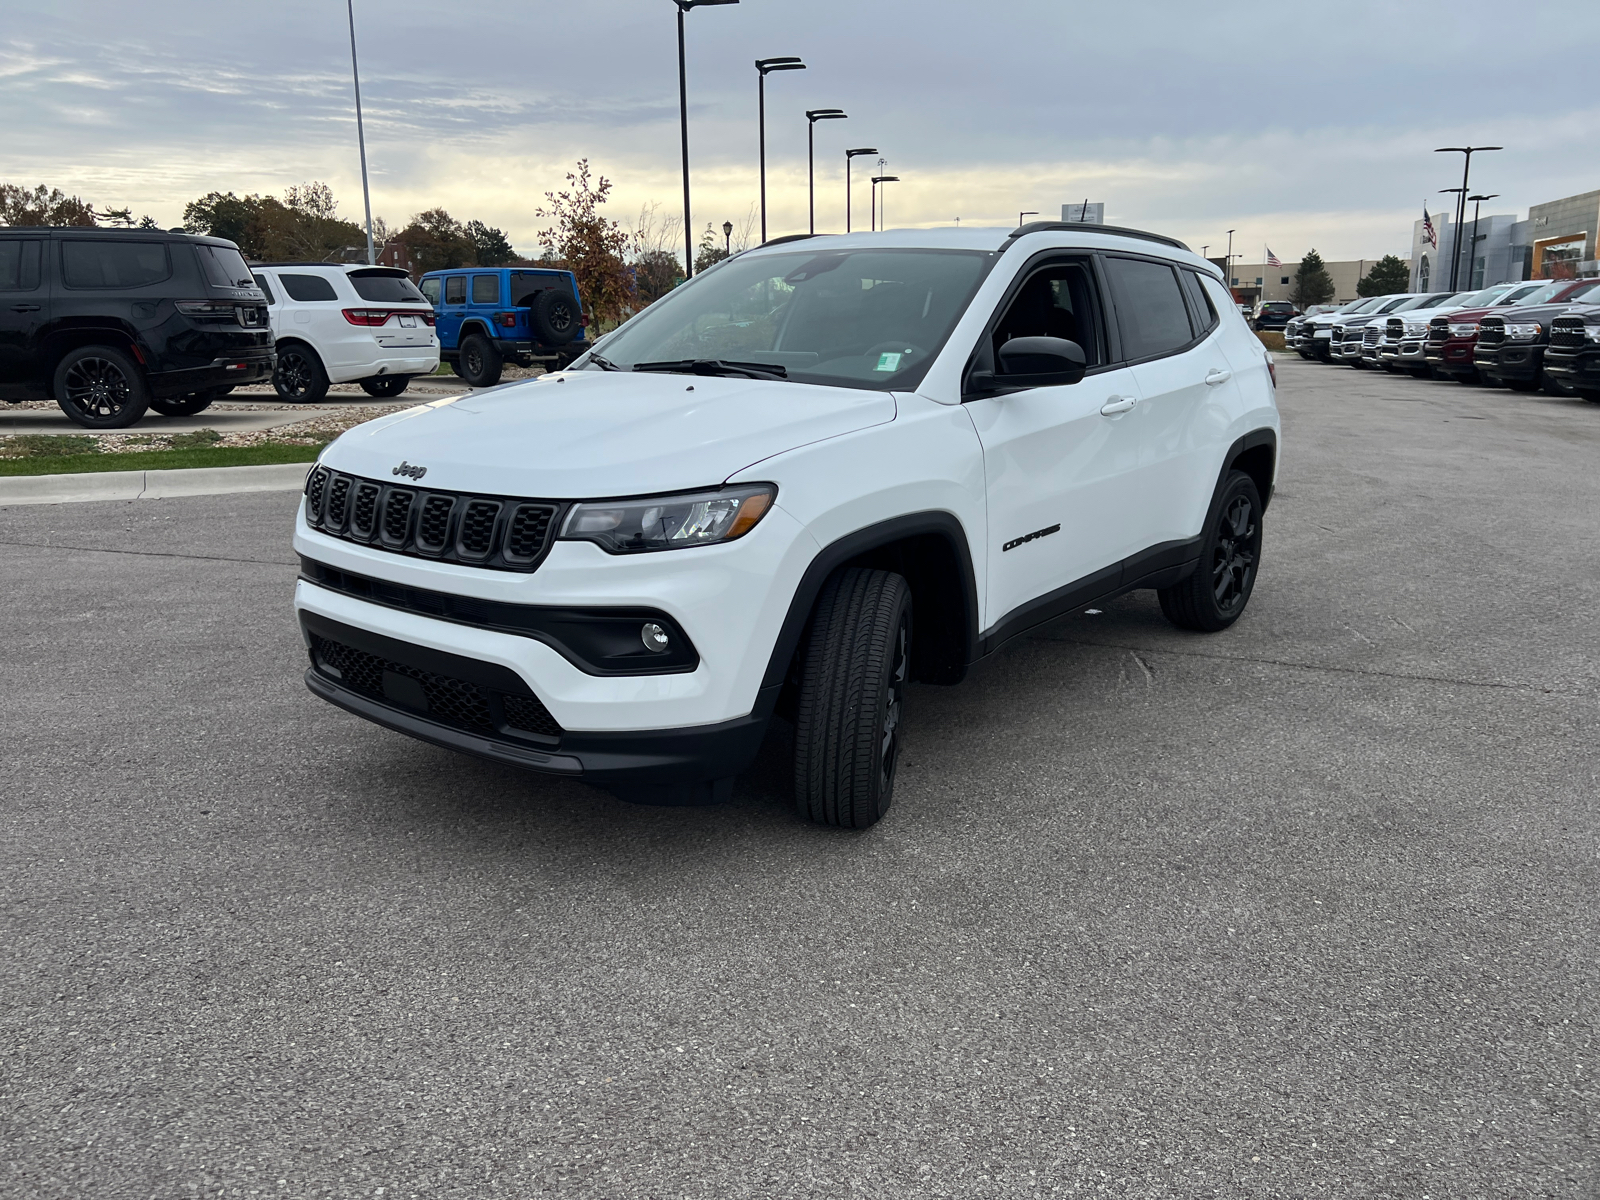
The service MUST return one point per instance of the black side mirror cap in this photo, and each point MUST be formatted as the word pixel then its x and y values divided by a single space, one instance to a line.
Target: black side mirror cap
pixel 1030 362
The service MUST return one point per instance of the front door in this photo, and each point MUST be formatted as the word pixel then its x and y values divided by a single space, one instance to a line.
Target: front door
pixel 1059 462
pixel 24 308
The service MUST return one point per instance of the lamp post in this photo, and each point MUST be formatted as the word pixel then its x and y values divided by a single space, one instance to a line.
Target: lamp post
pixel 848 156
pixel 1461 202
pixel 727 239
pixel 877 213
pixel 361 136
pixel 813 115
pixel 1228 265
pixel 1030 213
pixel 1472 252
pixel 763 67
pixel 1460 218
pixel 683 122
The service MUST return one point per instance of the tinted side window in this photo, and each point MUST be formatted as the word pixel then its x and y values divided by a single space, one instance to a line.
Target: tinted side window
pixel 1056 301
pixel 224 266
pixel 1150 308
pixel 1200 306
pixel 455 289
pixel 19 265
pixel 117 264
pixel 430 290
pixel 486 289
pixel 261 282
pixel 307 287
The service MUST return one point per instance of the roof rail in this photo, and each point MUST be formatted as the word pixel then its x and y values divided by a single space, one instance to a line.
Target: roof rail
pixel 790 237
pixel 1115 230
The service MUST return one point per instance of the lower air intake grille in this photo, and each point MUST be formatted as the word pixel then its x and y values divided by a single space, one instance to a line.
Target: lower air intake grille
pixel 442 698
pixel 483 531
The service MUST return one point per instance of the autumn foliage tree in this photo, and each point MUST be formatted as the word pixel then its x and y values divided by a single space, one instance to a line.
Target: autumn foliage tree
pixel 593 247
pixel 43 205
pixel 303 226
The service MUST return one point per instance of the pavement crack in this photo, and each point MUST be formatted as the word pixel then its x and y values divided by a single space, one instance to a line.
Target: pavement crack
pixel 154 553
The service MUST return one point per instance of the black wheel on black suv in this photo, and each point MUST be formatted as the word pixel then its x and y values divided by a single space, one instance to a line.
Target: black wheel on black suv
pixel 100 387
pixel 853 671
pixel 299 378
pixel 480 363
pixel 1214 596
pixel 386 385
pixel 187 406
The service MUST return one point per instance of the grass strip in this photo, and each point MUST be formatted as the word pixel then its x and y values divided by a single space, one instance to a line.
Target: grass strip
pixel 1271 339
pixel 159 460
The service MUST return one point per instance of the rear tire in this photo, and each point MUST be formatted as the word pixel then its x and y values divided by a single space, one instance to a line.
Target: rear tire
pixel 480 363
pixel 1215 595
pixel 100 387
pixel 186 406
pixel 854 667
pixel 299 377
pixel 386 385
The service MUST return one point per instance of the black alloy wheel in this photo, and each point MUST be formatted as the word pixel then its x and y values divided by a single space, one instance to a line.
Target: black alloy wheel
pixel 1214 596
pixel 299 377
pixel 99 387
pixel 481 363
pixel 385 385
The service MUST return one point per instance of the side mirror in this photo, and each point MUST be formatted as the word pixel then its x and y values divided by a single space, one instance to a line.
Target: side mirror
pixel 1030 362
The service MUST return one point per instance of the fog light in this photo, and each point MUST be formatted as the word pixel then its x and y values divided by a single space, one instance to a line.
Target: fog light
pixel 654 637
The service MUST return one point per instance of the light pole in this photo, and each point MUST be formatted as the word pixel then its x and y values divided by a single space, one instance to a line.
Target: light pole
pixel 1461 203
pixel 727 239
pixel 361 136
pixel 1228 268
pixel 848 156
pixel 1030 213
pixel 763 66
pixel 813 115
pixel 877 213
pixel 1472 252
pixel 1460 218
pixel 683 121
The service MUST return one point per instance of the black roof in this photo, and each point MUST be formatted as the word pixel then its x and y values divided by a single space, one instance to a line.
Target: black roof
pixel 1090 227
pixel 100 231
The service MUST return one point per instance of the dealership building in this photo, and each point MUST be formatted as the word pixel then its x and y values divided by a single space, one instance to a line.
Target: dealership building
pixel 1555 241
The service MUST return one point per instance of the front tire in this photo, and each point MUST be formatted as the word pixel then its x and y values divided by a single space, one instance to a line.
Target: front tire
pixel 299 377
pixel 854 666
pixel 480 363
pixel 384 386
pixel 1214 596
pixel 100 387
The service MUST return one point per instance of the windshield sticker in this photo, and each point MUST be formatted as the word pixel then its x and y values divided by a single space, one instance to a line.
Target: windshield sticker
pixel 888 362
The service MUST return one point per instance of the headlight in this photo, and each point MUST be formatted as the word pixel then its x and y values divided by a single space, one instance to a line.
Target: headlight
pixel 1464 329
pixel 1592 332
pixel 1523 333
pixel 669 522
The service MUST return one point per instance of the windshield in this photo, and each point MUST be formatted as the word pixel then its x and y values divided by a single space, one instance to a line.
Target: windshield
pixel 1486 297
pixel 1584 295
pixel 852 318
pixel 1522 294
pixel 1401 302
pixel 1435 301
pixel 1362 305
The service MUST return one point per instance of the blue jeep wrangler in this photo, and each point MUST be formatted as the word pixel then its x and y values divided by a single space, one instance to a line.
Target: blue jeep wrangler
pixel 488 315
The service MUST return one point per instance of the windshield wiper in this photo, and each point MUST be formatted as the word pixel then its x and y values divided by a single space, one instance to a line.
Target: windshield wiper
pixel 605 364
pixel 716 366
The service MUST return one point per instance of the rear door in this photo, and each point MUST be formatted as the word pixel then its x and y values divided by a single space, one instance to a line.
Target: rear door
pixel 483 302
pixel 24 309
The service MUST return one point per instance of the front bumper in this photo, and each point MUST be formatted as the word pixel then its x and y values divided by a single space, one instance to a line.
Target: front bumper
pixel 1575 368
pixel 1510 362
pixel 1453 357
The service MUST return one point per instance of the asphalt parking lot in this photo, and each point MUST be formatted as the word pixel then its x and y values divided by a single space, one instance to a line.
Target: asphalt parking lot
pixel 1304 909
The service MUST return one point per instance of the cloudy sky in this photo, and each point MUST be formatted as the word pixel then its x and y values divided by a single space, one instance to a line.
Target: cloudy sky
pixel 1300 126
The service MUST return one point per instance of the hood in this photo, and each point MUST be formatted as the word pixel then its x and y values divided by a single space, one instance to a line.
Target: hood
pixel 597 433
pixel 1543 314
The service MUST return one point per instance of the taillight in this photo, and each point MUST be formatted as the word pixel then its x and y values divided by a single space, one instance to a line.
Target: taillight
pixel 366 316
pixel 508 319
pixel 1272 371
pixel 427 316
pixel 205 310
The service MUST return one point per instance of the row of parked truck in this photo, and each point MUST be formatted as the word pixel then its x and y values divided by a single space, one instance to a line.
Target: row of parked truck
pixel 1534 334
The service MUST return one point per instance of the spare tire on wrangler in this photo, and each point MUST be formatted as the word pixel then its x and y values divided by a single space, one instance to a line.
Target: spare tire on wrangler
pixel 555 317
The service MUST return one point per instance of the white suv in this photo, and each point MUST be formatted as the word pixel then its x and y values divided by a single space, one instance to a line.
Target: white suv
pixel 346 324
pixel 836 465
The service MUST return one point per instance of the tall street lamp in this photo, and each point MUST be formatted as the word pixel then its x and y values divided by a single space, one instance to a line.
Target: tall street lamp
pixel 877 212
pixel 763 66
pixel 1460 217
pixel 848 155
pixel 361 136
pixel 1461 202
pixel 727 239
pixel 1472 252
pixel 813 115
pixel 1228 268
pixel 683 121
pixel 1029 213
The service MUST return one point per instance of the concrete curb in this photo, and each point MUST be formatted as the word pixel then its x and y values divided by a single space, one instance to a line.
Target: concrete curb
pixel 151 485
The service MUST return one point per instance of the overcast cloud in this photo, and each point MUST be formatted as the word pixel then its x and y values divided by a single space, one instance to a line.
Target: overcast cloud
pixel 1297 125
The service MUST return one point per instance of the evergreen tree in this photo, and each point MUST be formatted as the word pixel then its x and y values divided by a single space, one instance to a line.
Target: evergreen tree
pixel 1389 274
pixel 1312 283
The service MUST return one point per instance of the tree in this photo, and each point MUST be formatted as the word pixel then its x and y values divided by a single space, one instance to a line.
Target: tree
pixel 708 253
pixel 303 225
pixel 42 206
pixel 436 241
pixel 655 273
pixel 1312 283
pixel 594 247
pixel 1389 274
pixel 492 246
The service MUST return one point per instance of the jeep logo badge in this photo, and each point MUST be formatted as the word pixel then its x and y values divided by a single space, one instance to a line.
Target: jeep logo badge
pixel 407 469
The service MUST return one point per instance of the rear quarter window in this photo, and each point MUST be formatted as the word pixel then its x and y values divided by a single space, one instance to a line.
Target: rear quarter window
pixel 386 289
pixel 1203 311
pixel 307 288
pixel 486 289
pixel 266 289
pixel 118 264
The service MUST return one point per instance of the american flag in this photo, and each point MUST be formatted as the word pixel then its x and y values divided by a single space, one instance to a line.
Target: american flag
pixel 1429 234
pixel 1272 259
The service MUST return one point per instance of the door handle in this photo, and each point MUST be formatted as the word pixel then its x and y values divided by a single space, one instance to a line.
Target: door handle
pixel 1217 375
pixel 1118 404
pixel 24 308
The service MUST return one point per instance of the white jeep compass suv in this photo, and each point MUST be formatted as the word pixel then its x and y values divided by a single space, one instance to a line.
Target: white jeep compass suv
pixel 334 323
pixel 819 471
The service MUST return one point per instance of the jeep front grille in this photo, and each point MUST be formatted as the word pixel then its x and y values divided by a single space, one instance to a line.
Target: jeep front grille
pixel 481 531
pixel 1491 331
pixel 1567 333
